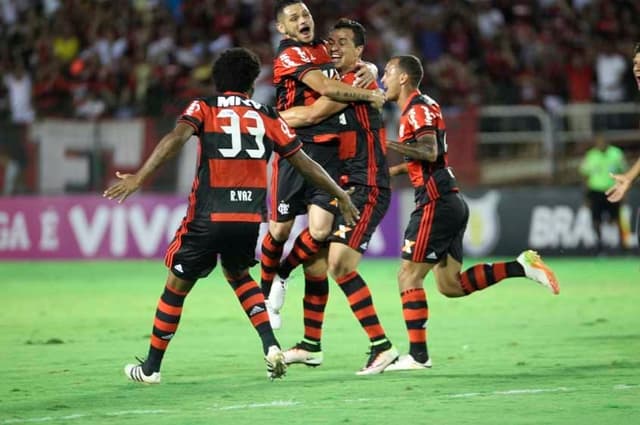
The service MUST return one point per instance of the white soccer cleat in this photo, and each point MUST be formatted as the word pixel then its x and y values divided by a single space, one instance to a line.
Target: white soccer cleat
pixel 299 354
pixel 276 367
pixel 277 293
pixel 378 360
pixel 535 269
pixel 135 373
pixel 275 320
pixel 407 362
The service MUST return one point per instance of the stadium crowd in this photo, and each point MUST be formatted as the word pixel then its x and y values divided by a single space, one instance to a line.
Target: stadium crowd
pixel 123 58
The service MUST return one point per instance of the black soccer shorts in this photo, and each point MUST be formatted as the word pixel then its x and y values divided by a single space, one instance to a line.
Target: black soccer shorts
pixel 292 194
pixel 194 251
pixel 436 229
pixel 373 203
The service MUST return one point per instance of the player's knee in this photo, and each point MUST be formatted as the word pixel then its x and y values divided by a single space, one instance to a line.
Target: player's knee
pixel 451 291
pixel 319 233
pixel 408 279
pixel 337 269
pixel 280 231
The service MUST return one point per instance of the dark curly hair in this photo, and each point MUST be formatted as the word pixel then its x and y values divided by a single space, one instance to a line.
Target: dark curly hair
pixel 236 70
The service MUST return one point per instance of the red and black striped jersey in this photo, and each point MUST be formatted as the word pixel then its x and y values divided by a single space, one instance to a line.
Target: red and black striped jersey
pixel 292 62
pixel 363 146
pixel 236 138
pixel 421 115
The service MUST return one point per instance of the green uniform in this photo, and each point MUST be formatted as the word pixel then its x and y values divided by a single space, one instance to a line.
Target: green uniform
pixel 597 165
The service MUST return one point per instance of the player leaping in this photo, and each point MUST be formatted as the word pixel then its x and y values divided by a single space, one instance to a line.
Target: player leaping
pixel 433 237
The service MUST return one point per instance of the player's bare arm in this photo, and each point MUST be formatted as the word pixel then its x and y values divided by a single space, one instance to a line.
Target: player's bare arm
pixel 168 147
pixel 424 149
pixel 398 169
pixel 321 109
pixel 337 90
pixel 313 172
pixel 623 183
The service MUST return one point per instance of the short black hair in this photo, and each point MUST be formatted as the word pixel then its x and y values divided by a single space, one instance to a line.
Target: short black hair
pixel 636 49
pixel 236 70
pixel 359 33
pixel 281 4
pixel 412 66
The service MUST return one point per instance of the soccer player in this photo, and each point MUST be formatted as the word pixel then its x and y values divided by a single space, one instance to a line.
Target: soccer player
pixel 433 237
pixel 227 201
pixel 623 181
pixel 303 71
pixel 365 172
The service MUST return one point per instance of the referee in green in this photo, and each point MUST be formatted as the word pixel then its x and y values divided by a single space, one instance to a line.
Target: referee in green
pixel 598 164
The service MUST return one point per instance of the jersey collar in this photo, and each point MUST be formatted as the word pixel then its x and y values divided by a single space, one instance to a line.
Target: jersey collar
pixel 413 94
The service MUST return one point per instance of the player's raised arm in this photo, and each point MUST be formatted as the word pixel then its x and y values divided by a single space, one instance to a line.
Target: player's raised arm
pixel 313 172
pixel 168 146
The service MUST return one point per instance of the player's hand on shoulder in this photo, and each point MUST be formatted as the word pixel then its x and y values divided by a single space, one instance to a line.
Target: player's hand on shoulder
pixel 366 73
pixel 119 191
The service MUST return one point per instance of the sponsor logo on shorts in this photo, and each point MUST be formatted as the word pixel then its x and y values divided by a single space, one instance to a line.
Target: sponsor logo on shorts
pixel 178 268
pixel 408 246
pixel 342 231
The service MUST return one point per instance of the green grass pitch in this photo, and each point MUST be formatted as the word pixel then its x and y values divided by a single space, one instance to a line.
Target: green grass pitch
pixel 512 354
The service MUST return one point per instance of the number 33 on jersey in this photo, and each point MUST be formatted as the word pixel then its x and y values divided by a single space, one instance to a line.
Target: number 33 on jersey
pixel 236 138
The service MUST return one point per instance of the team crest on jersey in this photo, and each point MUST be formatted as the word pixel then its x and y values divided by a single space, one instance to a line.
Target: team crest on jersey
pixel 408 246
pixel 342 231
pixel 283 208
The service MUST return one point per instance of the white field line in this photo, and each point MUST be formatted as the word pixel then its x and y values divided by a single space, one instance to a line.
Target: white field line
pixel 292 403
pixel 514 392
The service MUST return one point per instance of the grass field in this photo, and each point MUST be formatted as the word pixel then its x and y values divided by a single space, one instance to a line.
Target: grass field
pixel 513 354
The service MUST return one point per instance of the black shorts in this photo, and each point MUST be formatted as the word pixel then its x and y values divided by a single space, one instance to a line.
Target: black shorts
pixel 291 194
pixel 373 203
pixel 436 229
pixel 599 204
pixel 194 251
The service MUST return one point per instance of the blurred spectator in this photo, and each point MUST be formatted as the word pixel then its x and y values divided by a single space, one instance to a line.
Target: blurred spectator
pixel 66 43
pixel 579 75
pixel 13 156
pixel 611 67
pixel 20 89
pixel 508 51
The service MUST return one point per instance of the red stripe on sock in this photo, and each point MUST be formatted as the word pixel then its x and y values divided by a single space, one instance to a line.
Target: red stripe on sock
pixel 169 309
pixel 481 277
pixel 500 271
pixel 158 343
